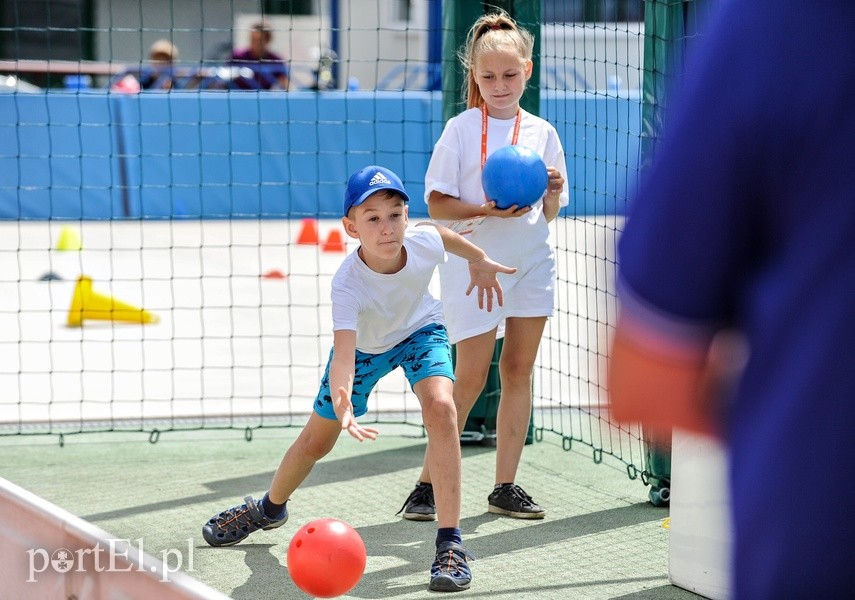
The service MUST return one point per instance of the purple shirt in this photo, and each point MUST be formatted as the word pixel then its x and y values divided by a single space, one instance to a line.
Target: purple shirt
pixel 746 219
pixel 266 70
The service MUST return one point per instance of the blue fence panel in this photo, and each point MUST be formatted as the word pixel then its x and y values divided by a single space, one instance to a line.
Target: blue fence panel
pixel 211 155
pixel 600 135
pixel 57 157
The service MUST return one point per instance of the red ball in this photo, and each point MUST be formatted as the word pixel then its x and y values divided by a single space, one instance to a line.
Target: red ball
pixel 326 558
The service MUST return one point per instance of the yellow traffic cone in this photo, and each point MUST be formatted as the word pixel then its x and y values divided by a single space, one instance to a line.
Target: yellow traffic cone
pixel 69 239
pixel 87 304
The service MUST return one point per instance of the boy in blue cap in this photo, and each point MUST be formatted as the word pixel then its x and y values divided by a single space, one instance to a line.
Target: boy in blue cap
pixel 384 317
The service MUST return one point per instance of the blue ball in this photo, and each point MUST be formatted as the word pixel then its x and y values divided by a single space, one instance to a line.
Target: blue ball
pixel 514 175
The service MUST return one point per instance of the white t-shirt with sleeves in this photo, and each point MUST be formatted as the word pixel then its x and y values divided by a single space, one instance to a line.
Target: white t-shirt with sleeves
pixel 523 242
pixel 384 309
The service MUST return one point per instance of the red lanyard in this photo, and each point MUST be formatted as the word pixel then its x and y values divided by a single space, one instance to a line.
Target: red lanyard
pixel 484 133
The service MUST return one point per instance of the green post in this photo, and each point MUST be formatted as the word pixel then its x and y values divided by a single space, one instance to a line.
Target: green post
pixel 457 18
pixel 664 27
pixel 527 16
pixel 664 35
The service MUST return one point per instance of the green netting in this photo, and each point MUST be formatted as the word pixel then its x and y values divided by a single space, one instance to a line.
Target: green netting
pixel 182 189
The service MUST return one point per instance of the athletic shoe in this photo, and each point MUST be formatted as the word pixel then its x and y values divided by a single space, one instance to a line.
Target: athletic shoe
pixel 420 505
pixel 511 500
pixel 233 525
pixel 450 571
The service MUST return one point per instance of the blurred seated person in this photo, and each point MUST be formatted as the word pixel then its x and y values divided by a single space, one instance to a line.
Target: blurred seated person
pixel 158 75
pixel 269 69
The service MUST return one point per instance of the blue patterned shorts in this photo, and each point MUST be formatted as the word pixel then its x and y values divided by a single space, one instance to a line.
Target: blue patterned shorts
pixel 425 353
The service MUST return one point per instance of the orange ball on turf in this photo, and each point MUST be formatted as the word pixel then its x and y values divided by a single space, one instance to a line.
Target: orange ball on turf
pixel 326 558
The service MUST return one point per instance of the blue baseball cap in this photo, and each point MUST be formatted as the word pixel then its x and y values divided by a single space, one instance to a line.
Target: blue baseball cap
pixel 371 179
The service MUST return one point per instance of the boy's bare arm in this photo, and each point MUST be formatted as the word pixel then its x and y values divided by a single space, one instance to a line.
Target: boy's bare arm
pixel 342 369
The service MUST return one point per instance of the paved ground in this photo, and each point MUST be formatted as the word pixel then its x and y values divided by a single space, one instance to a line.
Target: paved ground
pixel 601 538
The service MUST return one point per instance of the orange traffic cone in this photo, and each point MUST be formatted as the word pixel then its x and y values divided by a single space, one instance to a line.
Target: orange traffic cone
pixel 274 274
pixel 335 242
pixel 87 304
pixel 308 232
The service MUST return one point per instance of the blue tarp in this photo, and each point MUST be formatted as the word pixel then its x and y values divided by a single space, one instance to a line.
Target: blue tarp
pixel 100 155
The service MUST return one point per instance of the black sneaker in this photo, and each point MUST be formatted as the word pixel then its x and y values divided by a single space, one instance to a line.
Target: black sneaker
pixel 511 500
pixel 420 505
pixel 233 525
pixel 450 571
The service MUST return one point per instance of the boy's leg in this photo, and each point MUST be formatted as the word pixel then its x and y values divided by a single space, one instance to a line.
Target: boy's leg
pixel 323 429
pixel 315 441
pixel 473 364
pixel 443 454
pixel 234 524
pixel 450 571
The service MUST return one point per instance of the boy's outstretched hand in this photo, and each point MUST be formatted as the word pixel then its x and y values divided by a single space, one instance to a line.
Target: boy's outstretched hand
pixel 483 276
pixel 348 421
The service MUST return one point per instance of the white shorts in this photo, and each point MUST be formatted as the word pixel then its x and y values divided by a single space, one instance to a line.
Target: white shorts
pixel 530 292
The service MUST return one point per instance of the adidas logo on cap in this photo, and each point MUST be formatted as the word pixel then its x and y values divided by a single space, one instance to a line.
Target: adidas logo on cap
pixel 369 180
pixel 378 179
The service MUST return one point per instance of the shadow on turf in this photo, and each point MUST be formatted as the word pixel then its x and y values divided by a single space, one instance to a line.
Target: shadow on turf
pixel 662 592
pixel 410 547
pixel 231 491
pixel 267 577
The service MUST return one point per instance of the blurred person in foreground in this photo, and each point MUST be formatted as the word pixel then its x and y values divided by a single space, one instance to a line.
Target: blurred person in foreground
pixel 737 286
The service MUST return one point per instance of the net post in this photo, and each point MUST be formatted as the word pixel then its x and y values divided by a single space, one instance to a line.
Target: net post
pixel 664 25
pixel 457 18
pixel 528 16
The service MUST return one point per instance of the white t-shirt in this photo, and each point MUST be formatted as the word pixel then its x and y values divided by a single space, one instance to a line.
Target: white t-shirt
pixel 384 309
pixel 524 242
